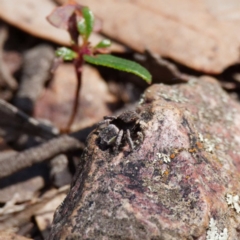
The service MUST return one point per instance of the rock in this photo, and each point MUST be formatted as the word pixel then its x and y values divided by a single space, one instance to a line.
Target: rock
pixel 181 182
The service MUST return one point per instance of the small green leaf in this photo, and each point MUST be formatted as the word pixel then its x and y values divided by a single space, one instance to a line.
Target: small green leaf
pixel 66 53
pixel 104 43
pixel 120 64
pixel 81 26
pixel 89 21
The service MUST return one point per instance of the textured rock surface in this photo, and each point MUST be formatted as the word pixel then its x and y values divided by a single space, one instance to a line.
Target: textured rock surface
pixel 173 183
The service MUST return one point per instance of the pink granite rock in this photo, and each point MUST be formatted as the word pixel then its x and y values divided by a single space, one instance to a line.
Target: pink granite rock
pixel 180 182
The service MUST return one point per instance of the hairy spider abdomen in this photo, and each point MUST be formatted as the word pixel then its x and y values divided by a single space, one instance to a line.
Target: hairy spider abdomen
pixel 119 129
pixel 128 117
pixel 109 134
pixel 126 120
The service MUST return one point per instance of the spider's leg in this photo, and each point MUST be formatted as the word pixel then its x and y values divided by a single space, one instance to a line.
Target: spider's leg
pixel 140 135
pixel 106 121
pixel 140 138
pixel 129 139
pixel 119 139
pixel 109 117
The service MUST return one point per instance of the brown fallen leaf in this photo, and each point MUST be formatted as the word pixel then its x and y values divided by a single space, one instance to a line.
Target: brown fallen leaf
pixel 56 103
pixel 44 215
pixel 30 16
pixel 203 35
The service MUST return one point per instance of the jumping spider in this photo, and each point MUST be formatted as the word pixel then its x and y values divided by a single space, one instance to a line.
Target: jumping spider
pixel 119 128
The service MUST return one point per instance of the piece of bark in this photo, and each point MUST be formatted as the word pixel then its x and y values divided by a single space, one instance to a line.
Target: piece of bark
pixel 60 173
pixel 42 152
pixel 25 184
pixel 37 64
pixel 45 151
pixel 14 122
pixel 174 184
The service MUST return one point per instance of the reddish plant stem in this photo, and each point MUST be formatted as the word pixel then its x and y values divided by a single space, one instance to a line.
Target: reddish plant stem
pixel 78 63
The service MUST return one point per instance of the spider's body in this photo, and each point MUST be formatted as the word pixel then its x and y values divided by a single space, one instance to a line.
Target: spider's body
pixel 118 128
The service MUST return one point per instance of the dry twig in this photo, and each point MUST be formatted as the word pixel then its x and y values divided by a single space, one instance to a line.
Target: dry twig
pixel 38 154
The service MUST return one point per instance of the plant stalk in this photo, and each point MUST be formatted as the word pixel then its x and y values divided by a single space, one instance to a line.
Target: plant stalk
pixel 78 63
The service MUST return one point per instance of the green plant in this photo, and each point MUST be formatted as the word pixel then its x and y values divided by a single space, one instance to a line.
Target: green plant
pixel 78 20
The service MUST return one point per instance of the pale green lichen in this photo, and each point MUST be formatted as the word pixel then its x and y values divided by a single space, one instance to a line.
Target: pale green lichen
pixel 233 202
pixel 141 101
pixel 164 157
pixel 174 95
pixel 213 232
pixel 193 81
pixel 208 144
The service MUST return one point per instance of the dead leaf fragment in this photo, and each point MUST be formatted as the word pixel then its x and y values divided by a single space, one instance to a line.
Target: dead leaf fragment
pixel 44 216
